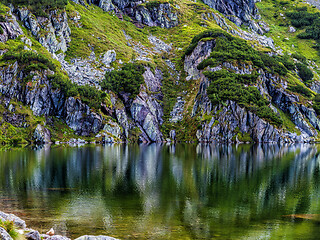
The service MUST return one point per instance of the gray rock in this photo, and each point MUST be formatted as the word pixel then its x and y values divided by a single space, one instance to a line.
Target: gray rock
pixel 291 29
pixel 109 57
pixel 89 237
pixel 11 29
pixel 55 25
pixel 159 45
pixel 113 129
pixel 33 235
pixel 41 135
pixel 244 10
pixel 4 235
pixel 57 237
pixel 18 222
pixel 81 119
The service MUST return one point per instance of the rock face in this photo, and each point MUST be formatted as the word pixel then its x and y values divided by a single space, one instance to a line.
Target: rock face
pixel 154 14
pixel 233 119
pixel 158 15
pixel 52 32
pixel 80 118
pixel 11 29
pixel 44 100
pixel 238 11
pixel 41 135
pixel 146 110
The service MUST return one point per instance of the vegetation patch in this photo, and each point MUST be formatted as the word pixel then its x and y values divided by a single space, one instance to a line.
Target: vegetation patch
pixel 38 7
pixel 227 85
pixel 126 80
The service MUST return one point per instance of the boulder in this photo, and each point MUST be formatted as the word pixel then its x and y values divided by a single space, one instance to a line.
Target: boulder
pixel 18 222
pixel 33 235
pixel 89 237
pixel 109 57
pixel 4 235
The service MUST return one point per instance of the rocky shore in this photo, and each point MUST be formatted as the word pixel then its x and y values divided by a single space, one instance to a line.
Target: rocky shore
pixel 25 232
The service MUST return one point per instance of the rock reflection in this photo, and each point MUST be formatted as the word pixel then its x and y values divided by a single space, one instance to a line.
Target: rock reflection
pixel 190 191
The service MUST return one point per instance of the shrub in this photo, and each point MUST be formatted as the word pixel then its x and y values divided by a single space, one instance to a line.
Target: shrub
pixel 126 80
pixel 88 95
pixel 28 58
pixel 38 7
pixel 301 90
pixel 316 104
pixel 304 72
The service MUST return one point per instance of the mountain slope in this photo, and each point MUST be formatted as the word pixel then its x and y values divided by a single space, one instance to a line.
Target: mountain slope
pixel 228 76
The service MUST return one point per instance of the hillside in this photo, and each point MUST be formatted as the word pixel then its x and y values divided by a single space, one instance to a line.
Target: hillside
pixel 128 71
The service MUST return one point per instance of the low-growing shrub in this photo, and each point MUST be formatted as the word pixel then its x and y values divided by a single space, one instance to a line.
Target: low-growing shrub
pixel 88 94
pixel 304 72
pixel 301 90
pixel 126 80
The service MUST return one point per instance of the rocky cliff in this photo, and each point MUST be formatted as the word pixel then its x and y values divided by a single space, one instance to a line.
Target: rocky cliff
pixel 52 70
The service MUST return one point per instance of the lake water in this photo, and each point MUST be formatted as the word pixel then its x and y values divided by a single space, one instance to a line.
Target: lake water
pixel 166 191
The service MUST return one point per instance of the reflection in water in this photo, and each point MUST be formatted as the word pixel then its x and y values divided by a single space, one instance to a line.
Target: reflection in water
pixel 165 191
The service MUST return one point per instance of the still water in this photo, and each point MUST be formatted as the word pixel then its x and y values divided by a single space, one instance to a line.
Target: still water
pixel 166 191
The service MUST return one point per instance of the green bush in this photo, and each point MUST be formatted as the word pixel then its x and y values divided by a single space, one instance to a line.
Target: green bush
pixel 301 90
pixel 28 58
pixel 2 18
pixel 316 104
pixel 304 72
pixel 126 80
pixel 88 95
pixel 38 7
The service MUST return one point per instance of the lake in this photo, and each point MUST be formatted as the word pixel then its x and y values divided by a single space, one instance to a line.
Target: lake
pixel 181 191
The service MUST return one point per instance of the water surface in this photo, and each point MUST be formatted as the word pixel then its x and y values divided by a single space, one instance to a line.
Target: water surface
pixel 166 191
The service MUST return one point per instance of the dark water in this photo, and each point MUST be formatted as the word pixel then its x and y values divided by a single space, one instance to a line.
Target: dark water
pixel 166 191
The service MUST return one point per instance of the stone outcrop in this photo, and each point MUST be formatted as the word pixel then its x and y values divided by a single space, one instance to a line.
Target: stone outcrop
pixel 11 29
pixel 44 100
pixel 81 118
pixel 52 32
pixel 233 119
pixel 157 14
pixel 146 111
pixel 239 12
pixel 41 135
pixel 18 222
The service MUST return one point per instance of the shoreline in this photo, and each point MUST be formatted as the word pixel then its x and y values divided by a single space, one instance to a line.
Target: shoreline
pixel 18 230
